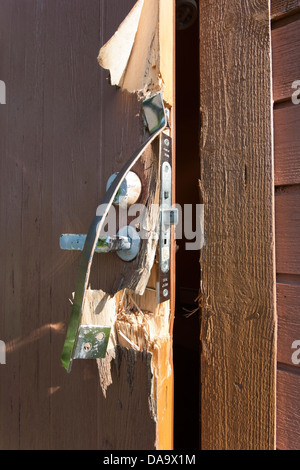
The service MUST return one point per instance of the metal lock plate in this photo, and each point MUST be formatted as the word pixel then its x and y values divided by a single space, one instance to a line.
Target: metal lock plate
pixel 168 216
pixel 155 113
pixel 92 342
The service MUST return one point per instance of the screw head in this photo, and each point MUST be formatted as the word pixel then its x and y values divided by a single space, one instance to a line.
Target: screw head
pixel 186 13
pixel 100 336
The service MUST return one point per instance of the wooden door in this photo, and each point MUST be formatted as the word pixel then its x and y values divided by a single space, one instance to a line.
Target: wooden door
pixel 64 131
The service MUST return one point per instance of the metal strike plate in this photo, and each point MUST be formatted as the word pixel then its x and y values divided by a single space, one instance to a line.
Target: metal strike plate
pixel 92 342
pixel 165 227
pixel 168 217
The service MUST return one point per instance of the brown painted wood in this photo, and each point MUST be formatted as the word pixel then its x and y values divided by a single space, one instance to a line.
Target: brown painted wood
pixel 238 282
pixel 287 145
pixel 51 135
pixel 287 204
pixel 288 309
pixel 286 40
pixel 288 409
pixel 64 130
pixel 286 59
pixel 281 8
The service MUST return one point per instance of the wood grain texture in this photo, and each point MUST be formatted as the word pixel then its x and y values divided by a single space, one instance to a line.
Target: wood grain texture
pixel 167 45
pixel 127 369
pixel 287 203
pixel 288 309
pixel 287 145
pixel 281 8
pixel 238 268
pixel 286 60
pixel 288 409
pixel 39 124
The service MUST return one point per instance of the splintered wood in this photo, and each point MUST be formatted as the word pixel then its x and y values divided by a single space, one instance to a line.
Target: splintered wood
pixel 120 46
pixel 141 339
pixel 134 53
pixel 136 376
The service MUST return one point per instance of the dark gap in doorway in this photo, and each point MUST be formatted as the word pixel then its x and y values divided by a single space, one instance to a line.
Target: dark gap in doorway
pixel 187 330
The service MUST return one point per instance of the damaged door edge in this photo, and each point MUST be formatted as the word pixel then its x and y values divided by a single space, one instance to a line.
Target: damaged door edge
pixel 138 55
pixel 151 53
pixel 141 335
pixel 141 59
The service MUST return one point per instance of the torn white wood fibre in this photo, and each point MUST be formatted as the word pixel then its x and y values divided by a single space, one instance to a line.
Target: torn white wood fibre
pixel 139 332
pixel 114 55
pixel 137 59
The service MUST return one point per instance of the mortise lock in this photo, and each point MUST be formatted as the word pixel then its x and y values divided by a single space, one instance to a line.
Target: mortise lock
pixel 123 188
pixel 168 217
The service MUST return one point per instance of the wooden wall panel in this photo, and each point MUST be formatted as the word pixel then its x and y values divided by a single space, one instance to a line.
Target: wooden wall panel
pixel 280 8
pixel 285 48
pixel 287 145
pixel 238 264
pixel 288 309
pixel 286 59
pixel 288 410
pixel 288 230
